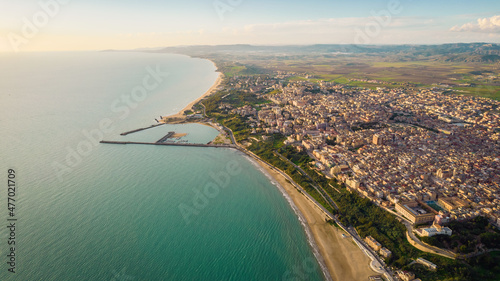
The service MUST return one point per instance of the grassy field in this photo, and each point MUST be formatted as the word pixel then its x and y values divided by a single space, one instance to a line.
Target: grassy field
pixel 483 78
pixel 424 74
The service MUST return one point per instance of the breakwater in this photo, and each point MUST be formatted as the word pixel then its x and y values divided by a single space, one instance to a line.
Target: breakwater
pixel 172 144
pixel 141 129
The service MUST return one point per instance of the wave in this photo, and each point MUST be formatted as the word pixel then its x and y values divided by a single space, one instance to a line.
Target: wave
pixel 300 216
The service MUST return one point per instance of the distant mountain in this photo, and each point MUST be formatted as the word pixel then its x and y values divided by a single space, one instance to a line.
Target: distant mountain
pixel 459 52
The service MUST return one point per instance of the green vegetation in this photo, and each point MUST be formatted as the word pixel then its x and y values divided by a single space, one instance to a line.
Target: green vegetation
pixel 238 125
pixel 234 70
pixel 212 104
pixel 354 210
pixel 414 66
pixel 331 142
pixel 241 69
pixel 298 78
pixel 273 92
pixel 265 150
pixel 391 73
pixel 235 99
pixel 240 98
pixel 486 267
pixel 467 236
pixel 369 219
pixel 367 126
pixel 332 222
pixel 298 158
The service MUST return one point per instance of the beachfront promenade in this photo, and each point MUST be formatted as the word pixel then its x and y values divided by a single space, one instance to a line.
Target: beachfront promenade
pixel 377 264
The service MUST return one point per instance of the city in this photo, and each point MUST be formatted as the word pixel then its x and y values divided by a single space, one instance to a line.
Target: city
pixel 423 155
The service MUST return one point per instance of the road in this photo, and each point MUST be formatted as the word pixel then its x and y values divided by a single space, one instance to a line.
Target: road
pixel 204 109
pixel 423 247
pixel 427 248
pixel 319 189
pixel 376 260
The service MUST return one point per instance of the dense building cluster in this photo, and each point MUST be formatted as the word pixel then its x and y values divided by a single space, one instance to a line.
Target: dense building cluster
pixel 390 145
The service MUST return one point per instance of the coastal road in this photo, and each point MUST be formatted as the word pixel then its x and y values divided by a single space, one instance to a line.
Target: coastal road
pixel 424 247
pixel 253 155
pixel 231 135
pixel 204 109
pixel 377 262
pixel 319 189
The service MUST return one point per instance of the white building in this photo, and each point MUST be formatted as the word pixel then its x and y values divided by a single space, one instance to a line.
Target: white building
pixel 435 229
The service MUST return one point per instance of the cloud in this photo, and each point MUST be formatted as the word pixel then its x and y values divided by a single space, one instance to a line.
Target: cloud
pixel 303 25
pixel 337 26
pixel 488 25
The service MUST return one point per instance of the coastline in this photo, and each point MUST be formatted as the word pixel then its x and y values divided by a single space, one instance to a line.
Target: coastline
pixel 342 257
pixel 180 115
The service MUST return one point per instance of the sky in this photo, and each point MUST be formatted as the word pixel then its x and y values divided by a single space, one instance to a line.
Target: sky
pixel 67 25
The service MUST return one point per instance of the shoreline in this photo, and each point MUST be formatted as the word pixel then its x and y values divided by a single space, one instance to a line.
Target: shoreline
pixel 180 115
pixel 266 170
pixel 343 259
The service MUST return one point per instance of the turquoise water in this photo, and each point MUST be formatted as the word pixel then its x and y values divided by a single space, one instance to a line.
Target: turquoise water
pixel 89 211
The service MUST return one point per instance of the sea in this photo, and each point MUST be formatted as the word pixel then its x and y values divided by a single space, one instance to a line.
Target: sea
pixel 83 210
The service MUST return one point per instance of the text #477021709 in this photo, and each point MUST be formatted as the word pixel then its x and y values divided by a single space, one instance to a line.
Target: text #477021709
pixel 11 220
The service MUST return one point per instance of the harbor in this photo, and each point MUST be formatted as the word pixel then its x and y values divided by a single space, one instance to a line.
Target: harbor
pixel 141 129
pixel 172 144
pixel 166 137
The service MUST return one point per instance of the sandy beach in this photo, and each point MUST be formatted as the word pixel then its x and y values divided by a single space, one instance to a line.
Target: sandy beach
pixel 180 114
pixel 345 260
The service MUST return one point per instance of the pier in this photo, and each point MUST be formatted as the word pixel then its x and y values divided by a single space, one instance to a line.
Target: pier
pixel 173 144
pixel 167 136
pixel 141 129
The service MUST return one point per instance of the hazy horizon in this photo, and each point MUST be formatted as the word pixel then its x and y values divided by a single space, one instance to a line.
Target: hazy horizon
pixel 63 25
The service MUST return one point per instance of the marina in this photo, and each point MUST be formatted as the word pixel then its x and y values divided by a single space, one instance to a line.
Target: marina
pixel 166 137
